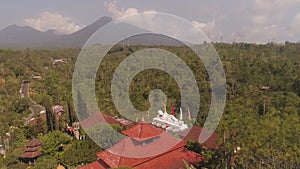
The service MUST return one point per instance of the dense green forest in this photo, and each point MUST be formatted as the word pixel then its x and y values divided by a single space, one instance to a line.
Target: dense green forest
pixel 261 116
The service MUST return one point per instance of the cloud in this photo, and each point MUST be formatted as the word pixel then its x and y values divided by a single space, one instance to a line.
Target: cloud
pixel 199 25
pixel 259 19
pixel 52 21
pixel 296 22
pixel 116 13
pixel 142 21
pixel 294 27
pixel 271 11
pixel 210 29
pixel 269 20
pixel 258 34
pixel 267 6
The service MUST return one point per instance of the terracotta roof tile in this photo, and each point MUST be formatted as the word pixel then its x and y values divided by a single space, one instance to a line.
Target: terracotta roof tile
pixel 94 165
pixel 172 160
pixel 31 154
pixel 151 143
pixel 32 149
pixel 34 143
pixel 157 150
pixel 142 131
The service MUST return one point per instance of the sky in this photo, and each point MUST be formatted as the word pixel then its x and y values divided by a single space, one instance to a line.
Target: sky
pixel 253 21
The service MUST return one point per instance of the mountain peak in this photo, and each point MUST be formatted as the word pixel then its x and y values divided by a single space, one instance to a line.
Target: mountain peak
pixel 15 36
pixel 104 18
pixel 17 28
pixel 10 27
pixel 93 27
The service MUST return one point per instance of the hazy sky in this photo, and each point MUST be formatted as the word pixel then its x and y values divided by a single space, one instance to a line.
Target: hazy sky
pixel 230 20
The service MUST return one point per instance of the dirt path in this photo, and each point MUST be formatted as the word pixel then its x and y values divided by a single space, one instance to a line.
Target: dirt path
pixel 33 106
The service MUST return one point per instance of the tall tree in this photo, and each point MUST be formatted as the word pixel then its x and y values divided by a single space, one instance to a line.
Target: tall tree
pixel 72 115
pixel 54 121
pixel 48 118
pixel 51 119
pixel 81 106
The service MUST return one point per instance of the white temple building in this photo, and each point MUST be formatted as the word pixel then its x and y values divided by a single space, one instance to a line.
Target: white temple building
pixel 169 122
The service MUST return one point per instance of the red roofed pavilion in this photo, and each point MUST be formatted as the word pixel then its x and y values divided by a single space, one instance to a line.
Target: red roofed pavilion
pixel 142 131
pixel 146 147
pixel 31 152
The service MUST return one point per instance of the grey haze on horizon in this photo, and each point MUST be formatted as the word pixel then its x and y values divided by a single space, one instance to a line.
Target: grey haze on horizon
pixel 254 21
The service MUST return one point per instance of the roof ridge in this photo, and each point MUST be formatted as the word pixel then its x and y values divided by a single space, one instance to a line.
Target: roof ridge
pixel 140 134
pixel 122 151
pixel 137 131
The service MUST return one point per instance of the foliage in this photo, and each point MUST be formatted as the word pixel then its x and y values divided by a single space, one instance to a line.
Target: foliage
pixel 116 127
pixel 187 165
pixel 82 109
pixel 72 116
pixel 45 162
pixel 16 148
pixel 21 105
pixel 79 152
pixel 54 142
pixel 50 119
pixel 263 123
pixel 105 135
pixel 194 146
pixel 39 125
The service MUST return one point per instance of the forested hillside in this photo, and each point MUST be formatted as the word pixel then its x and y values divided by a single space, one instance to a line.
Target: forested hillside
pixel 261 116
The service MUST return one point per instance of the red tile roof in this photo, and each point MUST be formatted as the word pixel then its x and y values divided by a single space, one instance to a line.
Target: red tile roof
pixel 172 160
pixel 158 151
pixel 94 165
pixel 31 154
pixel 32 148
pixel 127 153
pixel 194 133
pixel 34 143
pixel 116 159
pixel 142 131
